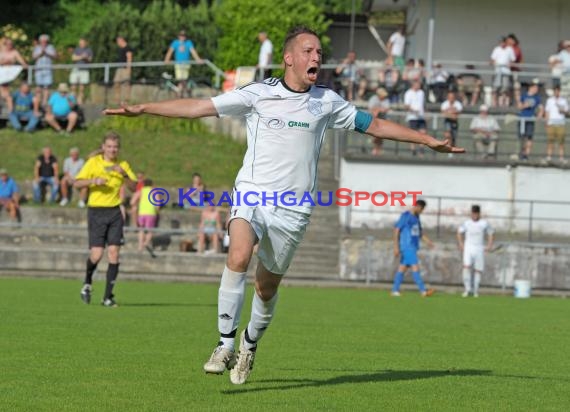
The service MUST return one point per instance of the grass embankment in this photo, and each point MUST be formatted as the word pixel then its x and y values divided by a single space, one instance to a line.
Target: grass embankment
pixel 167 150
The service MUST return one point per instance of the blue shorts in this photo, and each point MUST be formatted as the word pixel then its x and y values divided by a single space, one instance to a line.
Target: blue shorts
pixel 409 257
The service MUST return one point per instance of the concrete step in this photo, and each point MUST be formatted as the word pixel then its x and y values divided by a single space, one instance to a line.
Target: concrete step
pixel 58 260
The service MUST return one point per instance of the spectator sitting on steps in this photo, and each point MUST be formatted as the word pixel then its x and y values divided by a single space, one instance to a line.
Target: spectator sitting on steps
pixel 484 129
pixel 25 108
pixel 9 195
pixel 60 110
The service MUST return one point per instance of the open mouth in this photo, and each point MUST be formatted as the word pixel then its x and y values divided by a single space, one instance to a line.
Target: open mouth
pixel 312 73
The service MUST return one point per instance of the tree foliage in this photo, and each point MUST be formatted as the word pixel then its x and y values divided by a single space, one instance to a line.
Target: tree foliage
pixel 240 21
pixel 342 6
pixel 150 31
pixel 80 16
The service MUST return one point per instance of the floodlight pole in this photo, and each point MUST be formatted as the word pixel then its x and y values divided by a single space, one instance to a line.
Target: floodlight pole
pixel 431 34
pixel 352 23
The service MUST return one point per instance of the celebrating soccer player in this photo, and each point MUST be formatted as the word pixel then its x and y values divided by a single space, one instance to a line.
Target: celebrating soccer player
pixel 286 123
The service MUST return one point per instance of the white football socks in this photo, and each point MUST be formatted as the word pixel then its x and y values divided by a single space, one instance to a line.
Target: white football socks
pixel 261 316
pixel 476 282
pixel 467 279
pixel 230 301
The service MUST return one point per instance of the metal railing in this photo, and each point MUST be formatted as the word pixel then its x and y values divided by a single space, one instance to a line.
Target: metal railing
pixel 507 143
pixel 217 72
pixel 519 213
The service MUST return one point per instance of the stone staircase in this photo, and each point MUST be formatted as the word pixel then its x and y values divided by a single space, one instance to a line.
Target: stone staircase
pixel 319 252
pixel 54 239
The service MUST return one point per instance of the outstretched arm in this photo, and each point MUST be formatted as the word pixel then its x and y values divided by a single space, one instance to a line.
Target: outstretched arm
pixel 184 108
pixel 386 129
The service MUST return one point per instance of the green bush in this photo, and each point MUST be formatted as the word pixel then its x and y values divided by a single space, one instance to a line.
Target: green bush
pixel 149 32
pixel 241 20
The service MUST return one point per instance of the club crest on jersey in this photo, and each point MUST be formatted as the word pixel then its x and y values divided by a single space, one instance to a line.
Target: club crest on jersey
pixel 315 107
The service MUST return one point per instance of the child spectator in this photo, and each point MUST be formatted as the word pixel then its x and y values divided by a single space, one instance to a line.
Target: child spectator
pixel 134 212
pixel 210 229
pixel 529 106
pixel 147 216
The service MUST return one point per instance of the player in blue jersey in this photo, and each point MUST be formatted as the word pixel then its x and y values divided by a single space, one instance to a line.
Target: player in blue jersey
pixel 407 236
pixel 287 120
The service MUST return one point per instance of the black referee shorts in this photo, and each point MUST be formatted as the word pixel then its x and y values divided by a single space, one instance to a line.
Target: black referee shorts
pixel 105 226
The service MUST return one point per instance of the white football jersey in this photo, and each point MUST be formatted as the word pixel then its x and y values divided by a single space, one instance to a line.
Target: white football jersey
pixel 475 232
pixel 285 132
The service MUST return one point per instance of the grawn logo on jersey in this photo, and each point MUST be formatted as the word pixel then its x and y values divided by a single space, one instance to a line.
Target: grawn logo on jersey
pixel 303 125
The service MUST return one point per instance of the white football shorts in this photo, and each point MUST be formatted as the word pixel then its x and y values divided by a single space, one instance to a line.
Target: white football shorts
pixel 474 258
pixel 279 232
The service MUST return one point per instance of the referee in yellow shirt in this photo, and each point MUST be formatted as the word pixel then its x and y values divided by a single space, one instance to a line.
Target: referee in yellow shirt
pixel 104 174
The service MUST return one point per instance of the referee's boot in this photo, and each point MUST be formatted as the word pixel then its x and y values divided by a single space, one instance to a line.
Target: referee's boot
pixel 86 293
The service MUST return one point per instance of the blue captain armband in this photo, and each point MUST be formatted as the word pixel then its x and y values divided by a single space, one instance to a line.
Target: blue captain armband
pixel 362 121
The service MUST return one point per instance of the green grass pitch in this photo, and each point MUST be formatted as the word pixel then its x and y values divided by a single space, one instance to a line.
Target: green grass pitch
pixel 327 349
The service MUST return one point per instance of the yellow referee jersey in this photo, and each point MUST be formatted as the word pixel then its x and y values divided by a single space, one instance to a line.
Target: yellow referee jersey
pixel 106 195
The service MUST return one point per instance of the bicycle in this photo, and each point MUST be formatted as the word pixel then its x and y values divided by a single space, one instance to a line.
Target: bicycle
pixel 168 87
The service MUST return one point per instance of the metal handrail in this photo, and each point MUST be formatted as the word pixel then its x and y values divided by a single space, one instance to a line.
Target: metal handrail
pixel 530 217
pixel 107 66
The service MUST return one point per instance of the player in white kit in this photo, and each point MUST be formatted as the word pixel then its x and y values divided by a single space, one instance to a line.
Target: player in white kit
pixel 471 238
pixel 286 123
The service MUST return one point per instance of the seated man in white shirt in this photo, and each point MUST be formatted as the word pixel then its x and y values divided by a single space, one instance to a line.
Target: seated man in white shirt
pixel 414 102
pixel 485 133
